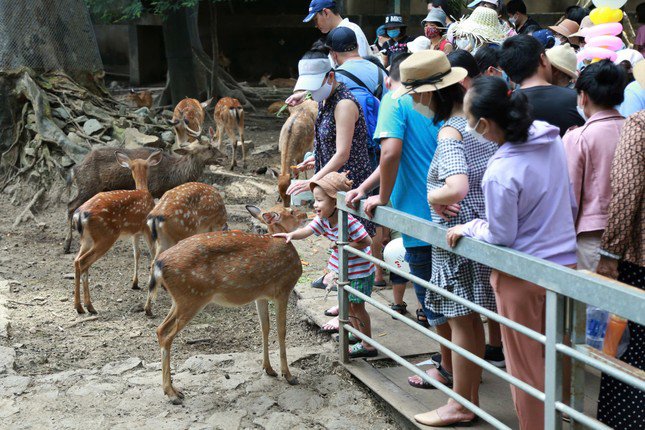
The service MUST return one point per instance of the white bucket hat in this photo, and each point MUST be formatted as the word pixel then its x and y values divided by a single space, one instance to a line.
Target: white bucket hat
pixel 483 25
pixel 421 43
pixel 564 59
pixel 311 73
pixel 477 2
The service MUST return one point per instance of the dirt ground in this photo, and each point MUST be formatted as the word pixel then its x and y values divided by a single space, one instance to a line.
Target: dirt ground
pixel 50 339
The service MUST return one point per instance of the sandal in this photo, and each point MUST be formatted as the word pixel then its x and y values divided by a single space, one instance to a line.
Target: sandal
pixel 318 283
pixel 417 382
pixel 359 351
pixel 380 283
pixel 332 312
pixel 330 326
pixel 433 419
pixel 422 319
pixel 402 308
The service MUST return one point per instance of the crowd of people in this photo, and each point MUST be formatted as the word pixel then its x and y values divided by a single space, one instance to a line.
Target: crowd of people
pixel 491 126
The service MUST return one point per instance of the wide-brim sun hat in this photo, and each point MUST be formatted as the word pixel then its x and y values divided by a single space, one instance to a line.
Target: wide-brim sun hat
pixel 435 15
pixel 478 2
pixel 332 183
pixel 564 59
pixel 633 56
pixel 311 73
pixel 566 28
pixel 639 73
pixel 584 24
pixel 421 43
pixel 483 24
pixel 427 71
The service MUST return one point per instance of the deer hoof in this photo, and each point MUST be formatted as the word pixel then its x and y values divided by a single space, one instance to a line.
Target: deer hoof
pixel 176 397
pixel 292 380
pixel 91 309
pixel 135 285
pixel 148 311
pixel 269 371
pixel 79 309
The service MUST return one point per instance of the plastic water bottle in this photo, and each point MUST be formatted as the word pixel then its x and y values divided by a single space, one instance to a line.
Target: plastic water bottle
pixel 596 326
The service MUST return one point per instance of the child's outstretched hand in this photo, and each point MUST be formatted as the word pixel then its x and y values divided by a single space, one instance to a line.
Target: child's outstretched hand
pixel 287 236
pixel 454 234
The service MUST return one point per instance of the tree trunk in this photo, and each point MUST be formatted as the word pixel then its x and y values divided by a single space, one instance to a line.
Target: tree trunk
pixel 215 52
pixel 181 68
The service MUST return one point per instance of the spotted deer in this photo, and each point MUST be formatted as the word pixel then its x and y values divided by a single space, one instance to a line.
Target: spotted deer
pixel 188 119
pixel 277 82
pixel 182 212
pixel 296 139
pixel 140 98
pixel 229 118
pixel 108 216
pixel 230 268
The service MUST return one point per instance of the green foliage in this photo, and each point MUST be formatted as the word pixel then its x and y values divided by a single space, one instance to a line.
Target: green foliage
pixel 122 10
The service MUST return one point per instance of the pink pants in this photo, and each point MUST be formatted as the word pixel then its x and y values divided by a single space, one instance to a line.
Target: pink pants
pixel 524 303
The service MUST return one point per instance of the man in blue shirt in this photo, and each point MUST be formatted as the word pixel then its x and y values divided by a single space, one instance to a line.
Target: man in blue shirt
pixel 634 92
pixel 408 141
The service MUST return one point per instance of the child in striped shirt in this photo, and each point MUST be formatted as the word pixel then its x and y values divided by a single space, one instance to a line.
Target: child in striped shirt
pixel 361 271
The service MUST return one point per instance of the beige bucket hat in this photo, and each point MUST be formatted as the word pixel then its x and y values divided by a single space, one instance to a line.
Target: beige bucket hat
pixel 564 59
pixel 332 183
pixel 427 71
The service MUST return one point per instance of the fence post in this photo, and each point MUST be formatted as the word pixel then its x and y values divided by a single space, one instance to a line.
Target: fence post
pixel 553 360
pixel 343 295
pixel 578 325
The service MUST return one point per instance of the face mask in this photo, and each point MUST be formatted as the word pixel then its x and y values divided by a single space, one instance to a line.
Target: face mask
pixel 558 42
pixel 432 32
pixel 394 33
pixel 322 93
pixel 474 133
pixel 512 20
pixel 581 112
pixel 423 110
pixel 463 44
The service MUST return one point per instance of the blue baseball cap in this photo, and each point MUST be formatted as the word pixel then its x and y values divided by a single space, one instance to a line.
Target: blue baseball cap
pixel 316 6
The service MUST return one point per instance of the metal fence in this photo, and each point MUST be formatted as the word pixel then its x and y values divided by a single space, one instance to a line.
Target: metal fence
pixel 567 292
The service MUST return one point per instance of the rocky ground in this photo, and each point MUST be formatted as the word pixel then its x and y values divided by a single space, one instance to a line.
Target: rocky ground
pixel 59 370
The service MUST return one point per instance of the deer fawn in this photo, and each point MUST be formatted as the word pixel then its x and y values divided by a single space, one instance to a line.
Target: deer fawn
pixel 187 120
pixel 229 118
pixel 296 138
pixel 230 268
pixel 278 82
pixel 182 212
pixel 141 98
pixel 107 216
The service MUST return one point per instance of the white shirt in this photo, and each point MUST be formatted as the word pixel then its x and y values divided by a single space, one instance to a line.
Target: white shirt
pixel 363 46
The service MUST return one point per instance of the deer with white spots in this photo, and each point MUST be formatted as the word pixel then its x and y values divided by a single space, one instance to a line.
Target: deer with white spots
pixel 182 212
pixel 230 268
pixel 229 119
pixel 108 216
pixel 188 119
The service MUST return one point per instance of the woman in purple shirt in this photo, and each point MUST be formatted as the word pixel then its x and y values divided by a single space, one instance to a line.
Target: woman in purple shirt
pixel 529 208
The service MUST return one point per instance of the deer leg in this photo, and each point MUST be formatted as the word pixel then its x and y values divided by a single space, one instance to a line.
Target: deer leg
pixel 137 253
pixel 176 320
pixel 263 315
pixel 86 293
pixel 219 136
pixel 241 131
pixel 68 239
pixel 281 317
pixel 77 286
pixel 233 140
pixel 86 260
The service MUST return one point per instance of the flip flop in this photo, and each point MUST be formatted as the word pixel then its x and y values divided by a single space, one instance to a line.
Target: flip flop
pixel 380 283
pixel 330 326
pixel 417 382
pixel 318 283
pixel 359 351
pixel 332 312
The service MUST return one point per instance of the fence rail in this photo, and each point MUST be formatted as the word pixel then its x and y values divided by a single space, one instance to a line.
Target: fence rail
pixel 561 284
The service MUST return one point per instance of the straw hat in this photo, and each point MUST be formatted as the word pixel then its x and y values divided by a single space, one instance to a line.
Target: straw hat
pixel 482 24
pixel 639 73
pixel 332 183
pixel 566 28
pixel 564 59
pixel 427 71
pixel 421 43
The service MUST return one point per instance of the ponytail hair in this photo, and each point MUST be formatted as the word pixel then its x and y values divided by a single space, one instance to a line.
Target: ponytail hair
pixel 491 98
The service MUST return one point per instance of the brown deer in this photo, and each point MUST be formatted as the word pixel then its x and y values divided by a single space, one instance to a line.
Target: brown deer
pixel 140 98
pixel 98 172
pixel 296 139
pixel 275 107
pixel 229 118
pixel 182 212
pixel 107 216
pixel 230 268
pixel 277 82
pixel 188 119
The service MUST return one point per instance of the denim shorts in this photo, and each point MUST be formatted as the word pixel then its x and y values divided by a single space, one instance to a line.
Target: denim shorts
pixel 396 279
pixel 420 260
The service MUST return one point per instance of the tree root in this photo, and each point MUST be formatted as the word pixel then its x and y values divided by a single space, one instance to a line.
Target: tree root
pixel 27 214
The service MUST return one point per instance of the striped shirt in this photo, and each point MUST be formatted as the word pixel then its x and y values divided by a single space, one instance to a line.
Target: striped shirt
pixel 358 267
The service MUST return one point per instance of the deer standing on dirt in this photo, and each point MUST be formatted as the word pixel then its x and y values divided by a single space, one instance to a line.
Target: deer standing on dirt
pixel 182 212
pixel 98 172
pixel 296 139
pixel 188 119
pixel 140 98
pixel 229 118
pixel 107 216
pixel 230 268
pixel 278 82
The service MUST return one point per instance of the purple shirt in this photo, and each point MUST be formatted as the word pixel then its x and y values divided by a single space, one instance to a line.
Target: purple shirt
pixel 529 202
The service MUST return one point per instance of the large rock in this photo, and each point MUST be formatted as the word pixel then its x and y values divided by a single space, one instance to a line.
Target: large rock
pixel 122 366
pixel 92 126
pixel 135 139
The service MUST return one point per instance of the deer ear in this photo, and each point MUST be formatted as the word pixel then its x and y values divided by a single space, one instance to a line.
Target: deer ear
pixel 271 217
pixel 211 132
pixel 155 158
pixel 131 90
pixel 255 212
pixel 206 103
pixel 122 158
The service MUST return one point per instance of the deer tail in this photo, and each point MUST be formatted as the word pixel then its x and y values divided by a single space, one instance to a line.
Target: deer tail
pixel 154 223
pixel 156 278
pixel 79 219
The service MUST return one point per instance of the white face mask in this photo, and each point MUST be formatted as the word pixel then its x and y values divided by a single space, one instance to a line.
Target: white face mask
pixel 581 112
pixel 512 20
pixel 463 43
pixel 322 93
pixel 474 133
pixel 558 42
pixel 423 109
